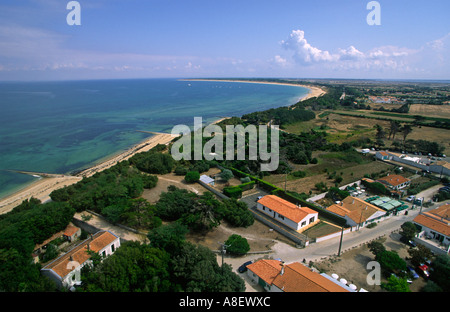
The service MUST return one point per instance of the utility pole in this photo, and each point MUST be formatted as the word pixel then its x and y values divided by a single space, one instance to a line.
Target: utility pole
pixel 223 252
pixel 340 243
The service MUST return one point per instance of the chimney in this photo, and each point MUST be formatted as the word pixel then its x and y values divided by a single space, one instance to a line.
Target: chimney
pixel 88 247
pixel 282 269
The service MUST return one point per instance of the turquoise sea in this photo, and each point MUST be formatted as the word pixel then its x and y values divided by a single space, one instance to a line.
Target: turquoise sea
pixel 62 127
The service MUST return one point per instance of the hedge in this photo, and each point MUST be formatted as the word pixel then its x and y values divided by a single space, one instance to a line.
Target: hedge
pixel 233 191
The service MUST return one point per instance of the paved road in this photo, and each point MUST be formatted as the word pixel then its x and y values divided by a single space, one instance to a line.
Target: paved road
pixel 317 251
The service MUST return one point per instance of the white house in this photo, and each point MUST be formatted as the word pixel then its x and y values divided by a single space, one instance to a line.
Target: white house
pixel 65 270
pixel 287 213
pixel 382 155
pixel 395 181
pixel 434 225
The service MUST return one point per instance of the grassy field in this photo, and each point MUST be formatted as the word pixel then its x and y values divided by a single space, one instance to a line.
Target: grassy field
pixel 328 164
pixel 345 128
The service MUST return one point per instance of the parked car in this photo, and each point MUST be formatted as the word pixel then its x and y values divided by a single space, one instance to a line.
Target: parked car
pixel 423 268
pixel 410 198
pixel 408 242
pixel 259 197
pixel 243 268
pixel 412 272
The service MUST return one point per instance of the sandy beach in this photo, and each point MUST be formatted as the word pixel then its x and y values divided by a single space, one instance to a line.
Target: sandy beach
pixel 42 188
pixel 314 90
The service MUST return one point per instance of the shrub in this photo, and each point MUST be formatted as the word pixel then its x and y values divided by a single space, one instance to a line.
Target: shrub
pixel 237 245
pixel 299 174
pixel 192 176
pixel 233 192
pixel 181 171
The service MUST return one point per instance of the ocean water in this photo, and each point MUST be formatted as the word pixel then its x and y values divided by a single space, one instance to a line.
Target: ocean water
pixel 61 127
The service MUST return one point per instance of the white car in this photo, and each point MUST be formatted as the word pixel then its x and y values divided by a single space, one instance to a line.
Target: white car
pixel 410 198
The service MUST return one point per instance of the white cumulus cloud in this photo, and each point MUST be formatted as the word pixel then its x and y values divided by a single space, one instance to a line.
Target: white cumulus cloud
pixel 350 58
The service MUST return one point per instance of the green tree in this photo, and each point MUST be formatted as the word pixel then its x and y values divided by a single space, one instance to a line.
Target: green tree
pixel 391 261
pixel 237 245
pixel 195 269
pixel 204 214
pixel 174 203
pixel 133 267
pixel 406 130
pixel 226 175
pixel 376 248
pixel 113 213
pixel 237 214
pixel 139 213
pixel 396 284
pixel 409 230
pixel 431 287
pixel 169 237
pixel 420 254
pixel 192 176
pixel 441 273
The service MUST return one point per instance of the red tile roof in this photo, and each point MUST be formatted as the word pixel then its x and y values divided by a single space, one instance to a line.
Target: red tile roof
pixel 295 278
pixel 70 230
pixel 286 208
pixel 79 254
pixel 356 209
pixel 394 179
pixel 437 219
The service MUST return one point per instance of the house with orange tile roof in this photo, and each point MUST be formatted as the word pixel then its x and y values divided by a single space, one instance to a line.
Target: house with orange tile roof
pixel 71 233
pixel 434 225
pixel 395 181
pixel 275 276
pixel 65 270
pixel 357 212
pixel 293 216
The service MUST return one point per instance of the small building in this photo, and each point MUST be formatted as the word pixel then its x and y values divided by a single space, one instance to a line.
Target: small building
pixel 293 216
pixel 65 270
pixel 69 234
pixel 275 276
pixel 395 181
pixel 434 226
pixel 72 233
pixel 207 179
pixel 382 155
pixel 357 212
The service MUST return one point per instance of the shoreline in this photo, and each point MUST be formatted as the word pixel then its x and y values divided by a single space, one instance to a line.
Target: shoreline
pixel 42 188
pixel 314 91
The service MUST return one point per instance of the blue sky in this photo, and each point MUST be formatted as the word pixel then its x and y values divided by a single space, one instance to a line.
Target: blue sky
pixel 246 38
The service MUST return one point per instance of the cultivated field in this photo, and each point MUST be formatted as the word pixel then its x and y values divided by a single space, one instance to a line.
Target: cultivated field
pixel 441 111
